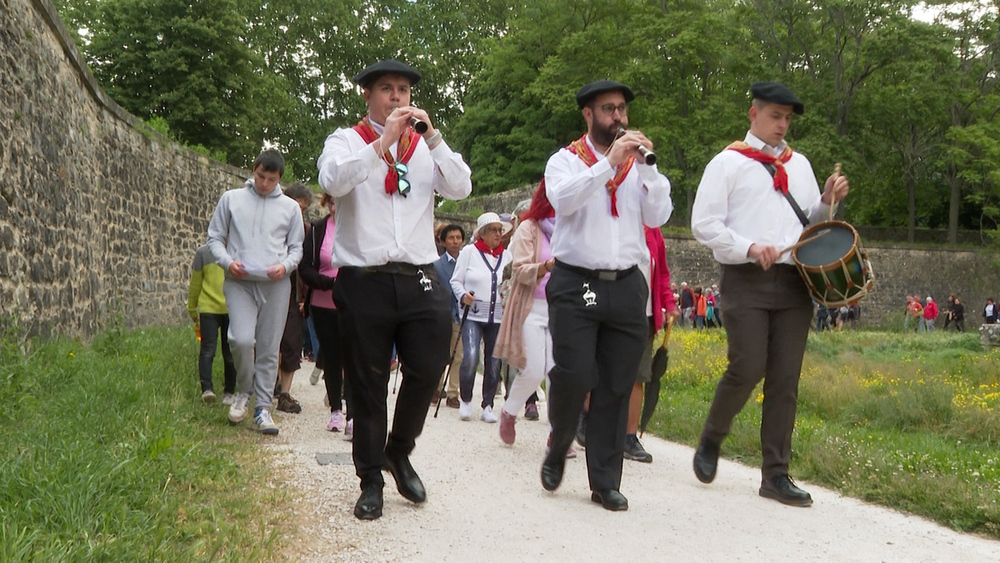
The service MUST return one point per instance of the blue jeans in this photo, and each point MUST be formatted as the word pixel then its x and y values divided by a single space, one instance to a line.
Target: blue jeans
pixel 473 333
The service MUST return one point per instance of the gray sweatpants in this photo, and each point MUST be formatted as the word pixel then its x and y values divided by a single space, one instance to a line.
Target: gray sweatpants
pixel 257 313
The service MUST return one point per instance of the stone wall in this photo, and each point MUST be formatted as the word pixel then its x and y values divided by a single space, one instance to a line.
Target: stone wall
pixel 99 216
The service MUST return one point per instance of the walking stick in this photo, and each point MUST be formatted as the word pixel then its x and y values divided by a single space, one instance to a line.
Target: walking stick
pixel 451 360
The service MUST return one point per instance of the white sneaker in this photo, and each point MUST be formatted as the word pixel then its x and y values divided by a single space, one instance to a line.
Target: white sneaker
pixel 314 376
pixel 349 431
pixel 488 415
pixel 464 410
pixel 262 420
pixel 228 398
pixel 238 410
pixel 208 396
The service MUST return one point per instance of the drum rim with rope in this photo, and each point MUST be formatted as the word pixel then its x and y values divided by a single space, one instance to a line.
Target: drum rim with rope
pixel 847 295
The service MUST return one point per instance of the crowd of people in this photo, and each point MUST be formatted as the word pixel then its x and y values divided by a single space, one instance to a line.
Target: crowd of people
pixel 923 313
pixel 563 297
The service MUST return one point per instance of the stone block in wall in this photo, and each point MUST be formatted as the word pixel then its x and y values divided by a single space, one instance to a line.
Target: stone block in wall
pixel 989 336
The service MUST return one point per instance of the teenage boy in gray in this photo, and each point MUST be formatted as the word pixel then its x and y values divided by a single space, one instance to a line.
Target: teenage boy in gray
pixel 256 236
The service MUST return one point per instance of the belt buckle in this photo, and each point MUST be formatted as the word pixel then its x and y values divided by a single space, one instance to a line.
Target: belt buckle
pixel 605 275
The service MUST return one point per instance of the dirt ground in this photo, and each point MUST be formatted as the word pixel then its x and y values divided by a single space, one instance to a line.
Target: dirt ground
pixel 486 503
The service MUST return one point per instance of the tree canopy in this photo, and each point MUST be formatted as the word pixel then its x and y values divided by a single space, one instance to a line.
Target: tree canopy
pixel 907 105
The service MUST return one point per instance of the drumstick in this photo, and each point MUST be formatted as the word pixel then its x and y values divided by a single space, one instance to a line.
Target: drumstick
pixel 836 172
pixel 805 241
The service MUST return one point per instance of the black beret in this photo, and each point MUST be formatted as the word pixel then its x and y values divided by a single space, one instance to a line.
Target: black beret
pixel 368 76
pixel 594 89
pixel 776 93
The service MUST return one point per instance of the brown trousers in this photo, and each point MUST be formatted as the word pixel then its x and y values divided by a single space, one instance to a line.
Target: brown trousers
pixel 767 322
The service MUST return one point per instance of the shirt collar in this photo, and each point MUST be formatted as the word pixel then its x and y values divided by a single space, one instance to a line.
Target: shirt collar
pixel 760 145
pixel 600 156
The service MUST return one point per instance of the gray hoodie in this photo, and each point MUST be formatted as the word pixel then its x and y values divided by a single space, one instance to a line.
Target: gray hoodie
pixel 258 231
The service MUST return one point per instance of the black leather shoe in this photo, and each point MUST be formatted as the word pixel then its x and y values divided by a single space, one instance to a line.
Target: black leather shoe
pixel 706 459
pixel 369 505
pixel 782 489
pixel 581 431
pixel 610 499
pixel 408 483
pixel 552 471
pixel 635 451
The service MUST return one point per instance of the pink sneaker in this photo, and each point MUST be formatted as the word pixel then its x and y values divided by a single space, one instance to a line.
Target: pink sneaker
pixel 336 422
pixel 570 453
pixel 507 432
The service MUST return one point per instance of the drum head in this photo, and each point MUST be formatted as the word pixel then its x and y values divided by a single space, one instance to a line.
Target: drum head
pixel 829 248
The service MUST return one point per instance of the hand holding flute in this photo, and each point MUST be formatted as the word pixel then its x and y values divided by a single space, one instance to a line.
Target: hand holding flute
pixel 645 152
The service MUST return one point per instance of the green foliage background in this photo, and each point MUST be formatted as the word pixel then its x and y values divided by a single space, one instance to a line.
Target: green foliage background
pixel 907 106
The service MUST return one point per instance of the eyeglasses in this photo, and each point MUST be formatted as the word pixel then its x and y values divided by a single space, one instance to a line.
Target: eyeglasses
pixel 492 230
pixel 609 109
pixel 404 184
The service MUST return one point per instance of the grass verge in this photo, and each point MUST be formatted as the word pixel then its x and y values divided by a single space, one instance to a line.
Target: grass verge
pixel 108 455
pixel 909 421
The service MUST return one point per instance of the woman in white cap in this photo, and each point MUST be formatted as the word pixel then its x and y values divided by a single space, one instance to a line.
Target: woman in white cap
pixel 476 284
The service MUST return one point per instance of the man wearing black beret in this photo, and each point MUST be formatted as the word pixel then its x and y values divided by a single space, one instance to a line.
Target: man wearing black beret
pixel 755 198
pixel 602 193
pixel 384 175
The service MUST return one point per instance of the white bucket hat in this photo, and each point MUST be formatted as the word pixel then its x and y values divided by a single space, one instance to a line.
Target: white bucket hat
pixel 489 219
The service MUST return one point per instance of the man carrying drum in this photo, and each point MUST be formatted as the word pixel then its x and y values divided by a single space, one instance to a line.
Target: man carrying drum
pixel 742 212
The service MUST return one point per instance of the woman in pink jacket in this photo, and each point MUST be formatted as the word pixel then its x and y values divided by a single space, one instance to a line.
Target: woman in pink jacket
pixel 524 338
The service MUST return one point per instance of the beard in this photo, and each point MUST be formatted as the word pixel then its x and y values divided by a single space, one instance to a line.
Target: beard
pixel 605 135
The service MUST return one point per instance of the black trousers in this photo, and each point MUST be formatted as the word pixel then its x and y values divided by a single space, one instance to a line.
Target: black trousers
pixel 331 349
pixel 768 314
pixel 596 349
pixel 378 310
pixel 211 326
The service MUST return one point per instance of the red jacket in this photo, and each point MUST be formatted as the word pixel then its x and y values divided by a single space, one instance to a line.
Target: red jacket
pixel 663 297
pixel 931 311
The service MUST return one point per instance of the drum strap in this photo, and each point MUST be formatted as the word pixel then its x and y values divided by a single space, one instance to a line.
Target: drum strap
pixel 791 200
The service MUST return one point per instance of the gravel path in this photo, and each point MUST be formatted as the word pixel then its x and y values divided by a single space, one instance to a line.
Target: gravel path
pixel 486 503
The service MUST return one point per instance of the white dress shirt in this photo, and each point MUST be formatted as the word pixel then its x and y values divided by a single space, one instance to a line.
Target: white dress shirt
pixel 373 227
pixel 586 234
pixel 737 205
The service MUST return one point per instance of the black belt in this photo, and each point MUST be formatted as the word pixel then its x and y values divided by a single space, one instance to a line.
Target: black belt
pixel 401 268
pixel 604 275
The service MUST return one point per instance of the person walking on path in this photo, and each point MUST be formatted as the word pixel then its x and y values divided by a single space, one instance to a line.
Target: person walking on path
pixel 602 193
pixel 290 348
pixel 741 213
pixel 256 235
pixel 207 307
pixel 660 306
pixel 452 238
pixel 524 340
pixel 476 284
pixel 318 274
pixel 384 176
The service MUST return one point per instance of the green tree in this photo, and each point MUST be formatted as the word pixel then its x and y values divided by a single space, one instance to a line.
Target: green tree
pixel 190 67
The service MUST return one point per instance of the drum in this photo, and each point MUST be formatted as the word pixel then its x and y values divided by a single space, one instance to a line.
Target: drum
pixel 833 264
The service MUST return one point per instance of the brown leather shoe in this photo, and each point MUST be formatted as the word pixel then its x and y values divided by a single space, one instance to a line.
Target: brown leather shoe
pixel 452 402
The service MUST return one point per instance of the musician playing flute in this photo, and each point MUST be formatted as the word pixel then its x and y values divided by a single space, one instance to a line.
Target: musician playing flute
pixel 742 213
pixel 384 176
pixel 602 193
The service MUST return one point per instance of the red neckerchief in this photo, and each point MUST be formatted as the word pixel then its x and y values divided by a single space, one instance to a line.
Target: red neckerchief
pixel 404 150
pixel 780 176
pixel 494 252
pixel 580 148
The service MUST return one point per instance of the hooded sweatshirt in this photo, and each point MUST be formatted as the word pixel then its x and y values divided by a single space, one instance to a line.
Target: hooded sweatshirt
pixel 258 231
